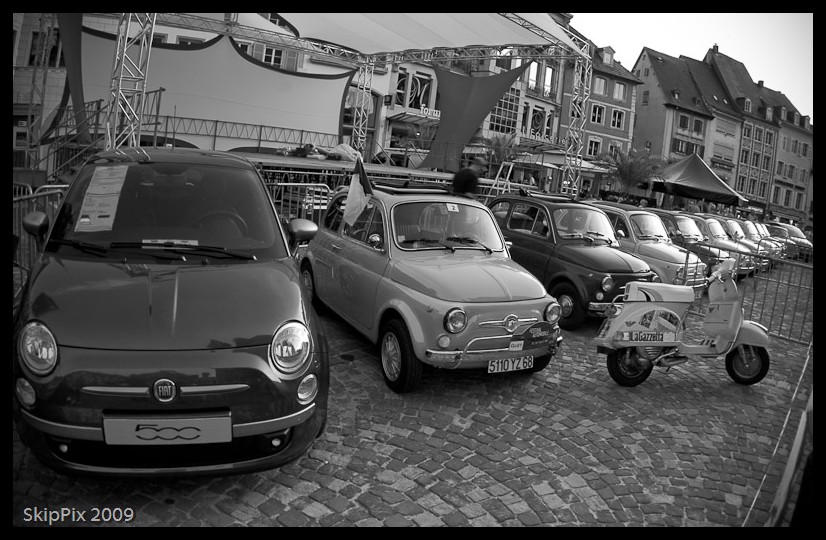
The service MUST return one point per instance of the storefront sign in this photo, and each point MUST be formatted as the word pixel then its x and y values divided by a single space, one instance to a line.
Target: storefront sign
pixel 430 113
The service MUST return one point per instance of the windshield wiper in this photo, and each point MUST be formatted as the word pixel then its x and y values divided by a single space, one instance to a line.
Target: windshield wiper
pixel 428 241
pixel 86 247
pixel 188 248
pixel 599 235
pixel 468 240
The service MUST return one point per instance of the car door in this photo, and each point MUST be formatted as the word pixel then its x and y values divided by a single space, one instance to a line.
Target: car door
pixel 528 227
pixel 359 266
pixel 620 224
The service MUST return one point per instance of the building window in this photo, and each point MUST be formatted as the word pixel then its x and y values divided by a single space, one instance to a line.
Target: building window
pixel 698 126
pixel 752 186
pixel 594 147
pixel 747 105
pixel 548 82
pixel 401 87
pixel 537 122
pixel 741 184
pixel 780 167
pixel 645 97
pixel 158 39
pixel 790 171
pixel 794 146
pixel 503 117
pixel 576 108
pixel 775 194
pixel 617 119
pixel 770 138
pixel 767 163
pixel 764 186
pixel 755 159
pixel 420 91
pixel 769 112
pixel 679 146
pixel 54 50
pixel 619 91
pixel 549 125
pixel 744 157
pixel 683 122
pixel 804 149
pixel 758 134
pixel 599 86
pixel 533 76
pixel 597 114
pixel 747 132
pixel 799 201
pixel 787 198
pixel 184 40
pixel 646 72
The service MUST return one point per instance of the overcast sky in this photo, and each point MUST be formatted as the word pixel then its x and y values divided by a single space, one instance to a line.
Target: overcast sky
pixel 776 48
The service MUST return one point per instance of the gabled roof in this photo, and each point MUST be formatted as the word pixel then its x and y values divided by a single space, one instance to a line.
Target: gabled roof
pixel 616 69
pixel 710 86
pixel 737 81
pixel 673 75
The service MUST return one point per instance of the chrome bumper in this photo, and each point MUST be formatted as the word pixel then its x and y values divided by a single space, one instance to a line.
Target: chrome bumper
pixel 467 359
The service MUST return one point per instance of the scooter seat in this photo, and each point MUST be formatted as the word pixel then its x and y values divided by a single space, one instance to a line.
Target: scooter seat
pixel 642 291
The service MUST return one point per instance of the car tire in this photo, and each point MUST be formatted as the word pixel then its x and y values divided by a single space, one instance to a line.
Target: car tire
pixel 569 300
pixel 308 280
pixel 401 369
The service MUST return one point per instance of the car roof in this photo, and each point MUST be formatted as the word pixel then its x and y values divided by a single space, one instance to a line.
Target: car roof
pixel 629 208
pixel 157 154
pixel 547 200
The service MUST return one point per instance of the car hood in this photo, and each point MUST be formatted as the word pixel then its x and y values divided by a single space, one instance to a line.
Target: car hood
pixel 730 246
pixel 802 242
pixel 164 307
pixel 665 252
pixel 602 258
pixel 466 276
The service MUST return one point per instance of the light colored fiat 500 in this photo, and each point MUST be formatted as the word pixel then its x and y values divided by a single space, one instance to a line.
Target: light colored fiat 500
pixel 426 275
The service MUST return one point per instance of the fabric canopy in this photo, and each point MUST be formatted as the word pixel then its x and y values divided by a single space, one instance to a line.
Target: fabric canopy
pixel 558 159
pixel 693 178
pixel 375 33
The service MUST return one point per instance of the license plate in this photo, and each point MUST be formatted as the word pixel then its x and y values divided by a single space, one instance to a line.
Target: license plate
pixel 167 431
pixel 503 365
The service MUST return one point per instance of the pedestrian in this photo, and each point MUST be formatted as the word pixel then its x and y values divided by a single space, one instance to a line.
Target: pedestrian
pixel 531 181
pixel 693 207
pixel 643 203
pixel 466 181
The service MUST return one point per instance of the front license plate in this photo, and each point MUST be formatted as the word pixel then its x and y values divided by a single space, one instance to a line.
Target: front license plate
pixel 167 431
pixel 510 364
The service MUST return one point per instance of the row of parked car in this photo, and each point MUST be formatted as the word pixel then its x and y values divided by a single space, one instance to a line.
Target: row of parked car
pixel 169 323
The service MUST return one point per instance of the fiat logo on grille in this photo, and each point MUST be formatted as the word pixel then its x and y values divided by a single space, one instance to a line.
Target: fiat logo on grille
pixel 511 321
pixel 164 390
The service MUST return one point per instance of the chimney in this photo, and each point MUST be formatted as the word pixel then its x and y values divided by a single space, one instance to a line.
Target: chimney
pixel 759 84
pixel 716 50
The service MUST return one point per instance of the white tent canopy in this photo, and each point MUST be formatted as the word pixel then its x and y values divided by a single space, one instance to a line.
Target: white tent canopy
pixel 377 33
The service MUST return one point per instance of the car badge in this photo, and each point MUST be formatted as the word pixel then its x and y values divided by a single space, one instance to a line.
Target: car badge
pixel 164 390
pixel 511 322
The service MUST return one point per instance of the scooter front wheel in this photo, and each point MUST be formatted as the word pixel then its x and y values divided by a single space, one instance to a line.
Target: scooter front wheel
pixel 626 367
pixel 747 364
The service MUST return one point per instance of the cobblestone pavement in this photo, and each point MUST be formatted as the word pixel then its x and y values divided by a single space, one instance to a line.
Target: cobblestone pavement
pixel 563 447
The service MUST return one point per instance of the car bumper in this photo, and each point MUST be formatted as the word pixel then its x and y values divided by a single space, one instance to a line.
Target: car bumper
pixel 477 358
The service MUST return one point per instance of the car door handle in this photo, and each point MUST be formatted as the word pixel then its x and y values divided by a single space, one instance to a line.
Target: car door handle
pixel 335 247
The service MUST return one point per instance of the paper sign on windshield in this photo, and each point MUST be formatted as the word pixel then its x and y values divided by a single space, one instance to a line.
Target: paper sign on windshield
pixel 97 213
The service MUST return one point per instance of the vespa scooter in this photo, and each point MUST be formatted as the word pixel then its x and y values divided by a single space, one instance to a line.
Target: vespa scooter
pixel 647 329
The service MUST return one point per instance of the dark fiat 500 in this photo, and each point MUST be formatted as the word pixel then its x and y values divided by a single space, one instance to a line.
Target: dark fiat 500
pixel 571 248
pixel 164 329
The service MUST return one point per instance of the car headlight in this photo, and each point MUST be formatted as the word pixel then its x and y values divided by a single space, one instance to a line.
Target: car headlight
pixel 455 320
pixel 607 283
pixel 38 348
pixel 290 347
pixel 655 279
pixel 552 312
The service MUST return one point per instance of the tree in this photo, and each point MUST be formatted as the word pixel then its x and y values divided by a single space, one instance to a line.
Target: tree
pixel 630 169
pixel 500 148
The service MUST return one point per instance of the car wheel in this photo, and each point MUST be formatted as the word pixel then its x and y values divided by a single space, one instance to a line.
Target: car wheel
pixel 401 369
pixel 572 311
pixel 308 280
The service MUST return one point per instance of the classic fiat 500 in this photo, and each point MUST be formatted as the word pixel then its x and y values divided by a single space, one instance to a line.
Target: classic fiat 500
pixel 164 329
pixel 426 275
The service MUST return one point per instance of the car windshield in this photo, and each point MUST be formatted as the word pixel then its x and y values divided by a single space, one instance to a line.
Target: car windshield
pixel 795 232
pixel 716 229
pixel 779 232
pixel 649 227
pixel 451 224
pixel 688 227
pixel 168 211
pixel 750 229
pixel 581 222
pixel 735 229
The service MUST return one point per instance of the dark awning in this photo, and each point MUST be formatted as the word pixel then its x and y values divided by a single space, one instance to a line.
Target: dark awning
pixel 414 118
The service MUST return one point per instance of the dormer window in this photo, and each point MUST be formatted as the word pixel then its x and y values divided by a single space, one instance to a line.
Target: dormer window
pixel 769 112
pixel 796 118
pixel 747 105
pixel 783 114
pixel 676 94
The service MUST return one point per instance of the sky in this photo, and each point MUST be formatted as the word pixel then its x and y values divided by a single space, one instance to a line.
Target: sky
pixel 776 48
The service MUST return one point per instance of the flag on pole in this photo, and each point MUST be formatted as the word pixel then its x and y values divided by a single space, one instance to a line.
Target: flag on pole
pixel 358 194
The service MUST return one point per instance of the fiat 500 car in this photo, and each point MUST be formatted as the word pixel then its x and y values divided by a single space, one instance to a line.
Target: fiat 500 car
pixel 426 275
pixel 164 328
pixel 571 248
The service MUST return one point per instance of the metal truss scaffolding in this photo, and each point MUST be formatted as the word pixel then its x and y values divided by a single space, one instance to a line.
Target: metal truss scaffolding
pixel 127 91
pixel 45 42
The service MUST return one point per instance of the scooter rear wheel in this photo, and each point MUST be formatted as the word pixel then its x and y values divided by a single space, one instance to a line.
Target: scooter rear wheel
pixel 625 367
pixel 747 364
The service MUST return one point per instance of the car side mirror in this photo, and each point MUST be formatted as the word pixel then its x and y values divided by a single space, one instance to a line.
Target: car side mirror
pixel 375 241
pixel 37 224
pixel 300 231
pixel 621 234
